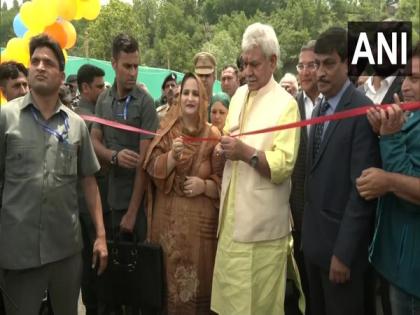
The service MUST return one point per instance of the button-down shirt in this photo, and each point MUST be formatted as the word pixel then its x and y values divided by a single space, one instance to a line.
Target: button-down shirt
pixel 139 112
pixel 333 101
pixel 309 106
pixel 39 214
pixel 377 95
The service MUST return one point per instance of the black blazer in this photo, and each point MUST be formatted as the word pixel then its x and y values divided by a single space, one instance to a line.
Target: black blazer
pixel 337 221
pixel 297 201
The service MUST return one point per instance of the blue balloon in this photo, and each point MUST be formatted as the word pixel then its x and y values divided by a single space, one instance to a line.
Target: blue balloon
pixel 18 26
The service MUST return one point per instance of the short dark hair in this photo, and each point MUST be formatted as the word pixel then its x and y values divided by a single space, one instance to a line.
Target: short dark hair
pixel 332 40
pixel 46 41
pixel 10 70
pixel 87 73
pixel 125 43
pixel 235 69
pixel 309 46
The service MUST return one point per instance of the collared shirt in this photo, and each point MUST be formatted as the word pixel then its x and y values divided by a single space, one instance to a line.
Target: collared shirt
pixel 377 95
pixel 39 215
pixel 333 101
pixel 309 106
pixel 139 111
pixel 85 108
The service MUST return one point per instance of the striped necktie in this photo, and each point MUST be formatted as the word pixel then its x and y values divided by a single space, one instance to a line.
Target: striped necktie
pixel 319 128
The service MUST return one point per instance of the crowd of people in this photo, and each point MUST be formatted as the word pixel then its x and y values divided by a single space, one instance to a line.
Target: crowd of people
pixel 318 220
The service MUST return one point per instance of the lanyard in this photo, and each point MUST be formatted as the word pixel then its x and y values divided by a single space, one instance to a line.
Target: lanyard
pixel 125 112
pixel 60 136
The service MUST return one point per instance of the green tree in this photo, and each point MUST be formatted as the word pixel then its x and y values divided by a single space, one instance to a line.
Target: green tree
pixel 224 48
pixel 114 18
pixel 214 9
pixel 409 10
pixel 6 24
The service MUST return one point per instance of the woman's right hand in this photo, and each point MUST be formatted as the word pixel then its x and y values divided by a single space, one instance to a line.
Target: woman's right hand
pixel 177 148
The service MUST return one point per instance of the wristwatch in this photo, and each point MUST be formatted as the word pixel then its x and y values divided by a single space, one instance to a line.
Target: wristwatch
pixel 114 158
pixel 253 161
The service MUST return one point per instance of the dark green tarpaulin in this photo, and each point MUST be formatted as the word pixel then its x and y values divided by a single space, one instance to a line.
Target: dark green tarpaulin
pixel 151 77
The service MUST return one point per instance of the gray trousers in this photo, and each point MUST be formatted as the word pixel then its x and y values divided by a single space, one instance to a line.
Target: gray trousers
pixel 27 287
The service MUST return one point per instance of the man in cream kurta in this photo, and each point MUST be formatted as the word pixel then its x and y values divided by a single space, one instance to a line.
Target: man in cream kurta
pixel 254 223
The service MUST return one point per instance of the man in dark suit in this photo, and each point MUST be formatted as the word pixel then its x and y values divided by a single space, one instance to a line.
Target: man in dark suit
pixel 337 221
pixel 307 98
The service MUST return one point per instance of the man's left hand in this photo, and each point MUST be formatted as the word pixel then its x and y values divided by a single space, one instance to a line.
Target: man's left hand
pixel 100 254
pixel 339 272
pixel 373 183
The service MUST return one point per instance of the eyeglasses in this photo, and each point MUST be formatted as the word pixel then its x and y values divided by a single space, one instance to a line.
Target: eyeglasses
pixel 312 66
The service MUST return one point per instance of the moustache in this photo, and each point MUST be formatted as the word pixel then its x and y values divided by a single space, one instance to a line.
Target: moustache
pixel 323 80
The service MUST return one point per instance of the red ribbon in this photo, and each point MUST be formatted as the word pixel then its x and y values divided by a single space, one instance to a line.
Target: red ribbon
pixel 117 125
pixel 317 120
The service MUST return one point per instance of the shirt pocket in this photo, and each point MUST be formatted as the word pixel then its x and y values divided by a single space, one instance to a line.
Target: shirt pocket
pixel 66 159
pixel 20 161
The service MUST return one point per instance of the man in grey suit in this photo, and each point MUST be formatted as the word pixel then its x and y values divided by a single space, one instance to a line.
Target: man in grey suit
pixel 337 221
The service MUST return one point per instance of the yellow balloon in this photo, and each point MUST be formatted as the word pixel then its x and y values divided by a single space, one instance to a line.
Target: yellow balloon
pixel 4 56
pixel 71 33
pixel 31 21
pixel 67 9
pixel 17 49
pixel 91 9
pixel 29 34
pixel 79 10
pixel 46 11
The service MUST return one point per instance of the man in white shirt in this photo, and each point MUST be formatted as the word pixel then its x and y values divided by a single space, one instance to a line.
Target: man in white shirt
pixel 381 89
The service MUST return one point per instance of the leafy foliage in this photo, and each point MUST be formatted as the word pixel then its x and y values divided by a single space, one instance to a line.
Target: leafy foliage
pixel 171 32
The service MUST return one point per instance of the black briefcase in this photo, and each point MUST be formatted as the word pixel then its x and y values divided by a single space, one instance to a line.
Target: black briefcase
pixel 134 275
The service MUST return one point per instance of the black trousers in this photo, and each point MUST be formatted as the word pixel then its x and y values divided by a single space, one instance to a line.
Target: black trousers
pixel 327 298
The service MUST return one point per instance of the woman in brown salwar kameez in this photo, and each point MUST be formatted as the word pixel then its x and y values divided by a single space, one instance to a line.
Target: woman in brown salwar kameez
pixel 185 208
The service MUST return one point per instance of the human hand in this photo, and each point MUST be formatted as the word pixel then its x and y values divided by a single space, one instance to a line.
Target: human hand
pixel 392 119
pixel 177 148
pixel 194 186
pixel 232 148
pixel 339 272
pixel 218 150
pixel 127 222
pixel 128 158
pixel 100 254
pixel 374 118
pixel 372 183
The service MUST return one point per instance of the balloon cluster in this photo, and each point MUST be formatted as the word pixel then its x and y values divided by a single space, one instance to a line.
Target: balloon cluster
pixel 51 17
